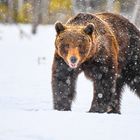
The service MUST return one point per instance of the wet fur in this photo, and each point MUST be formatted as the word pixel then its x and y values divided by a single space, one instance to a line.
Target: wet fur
pixel 113 65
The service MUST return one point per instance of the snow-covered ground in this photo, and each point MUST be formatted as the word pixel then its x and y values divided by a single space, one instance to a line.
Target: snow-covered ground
pixel 26 99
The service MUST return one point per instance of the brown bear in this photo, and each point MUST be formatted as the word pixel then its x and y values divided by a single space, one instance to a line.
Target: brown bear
pixel 106 47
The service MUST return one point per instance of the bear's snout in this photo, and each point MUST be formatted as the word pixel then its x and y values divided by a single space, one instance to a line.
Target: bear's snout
pixel 73 59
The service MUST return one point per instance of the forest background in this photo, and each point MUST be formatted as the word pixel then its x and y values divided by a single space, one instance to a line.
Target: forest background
pixel 38 12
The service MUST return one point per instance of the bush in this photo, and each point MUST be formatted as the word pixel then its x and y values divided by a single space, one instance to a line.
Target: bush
pixel 25 13
pixel 60 5
pixel 3 12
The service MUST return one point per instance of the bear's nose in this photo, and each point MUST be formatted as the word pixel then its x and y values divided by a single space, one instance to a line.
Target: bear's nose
pixel 73 59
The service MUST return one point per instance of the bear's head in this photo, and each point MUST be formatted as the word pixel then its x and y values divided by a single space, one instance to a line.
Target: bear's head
pixel 74 43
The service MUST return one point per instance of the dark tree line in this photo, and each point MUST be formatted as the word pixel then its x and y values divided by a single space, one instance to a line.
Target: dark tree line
pixel 49 11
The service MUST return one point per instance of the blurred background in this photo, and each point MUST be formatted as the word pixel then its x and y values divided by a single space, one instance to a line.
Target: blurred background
pixel 38 12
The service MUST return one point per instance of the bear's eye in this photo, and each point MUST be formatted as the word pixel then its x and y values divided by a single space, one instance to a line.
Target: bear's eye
pixel 81 49
pixel 64 48
pixel 82 52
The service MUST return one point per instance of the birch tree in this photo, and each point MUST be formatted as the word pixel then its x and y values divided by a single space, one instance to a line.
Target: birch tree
pixel 10 11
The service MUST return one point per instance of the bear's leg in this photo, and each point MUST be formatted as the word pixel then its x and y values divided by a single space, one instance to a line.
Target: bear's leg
pixel 134 84
pixel 117 97
pixel 63 84
pixel 105 95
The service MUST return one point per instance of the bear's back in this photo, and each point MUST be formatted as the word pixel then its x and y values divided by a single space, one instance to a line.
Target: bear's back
pixel 81 19
pixel 116 22
pixel 122 29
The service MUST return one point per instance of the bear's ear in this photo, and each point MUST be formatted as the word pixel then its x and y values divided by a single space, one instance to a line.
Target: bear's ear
pixel 89 29
pixel 59 27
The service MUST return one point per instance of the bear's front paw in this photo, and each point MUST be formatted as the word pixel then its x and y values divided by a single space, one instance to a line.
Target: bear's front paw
pixel 62 107
pixel 112 109
pixel 98 108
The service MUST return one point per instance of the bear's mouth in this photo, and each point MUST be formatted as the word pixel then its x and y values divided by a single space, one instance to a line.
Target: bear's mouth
pixel 73 62
pixel 73 65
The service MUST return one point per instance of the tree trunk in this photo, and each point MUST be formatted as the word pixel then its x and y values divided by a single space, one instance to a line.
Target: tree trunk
pixel 20 3
pixel 36 15
pixel 44 11
pixel 10 11
pixel 135 12
pixel 109 6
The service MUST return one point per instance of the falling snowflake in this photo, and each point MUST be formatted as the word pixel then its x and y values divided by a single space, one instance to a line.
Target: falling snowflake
pixel 68 81
pixel 100 95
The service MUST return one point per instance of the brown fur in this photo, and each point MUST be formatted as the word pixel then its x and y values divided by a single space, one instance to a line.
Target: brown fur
pixel 106 47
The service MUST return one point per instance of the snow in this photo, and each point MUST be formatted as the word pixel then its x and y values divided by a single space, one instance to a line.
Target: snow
pixel 26 111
